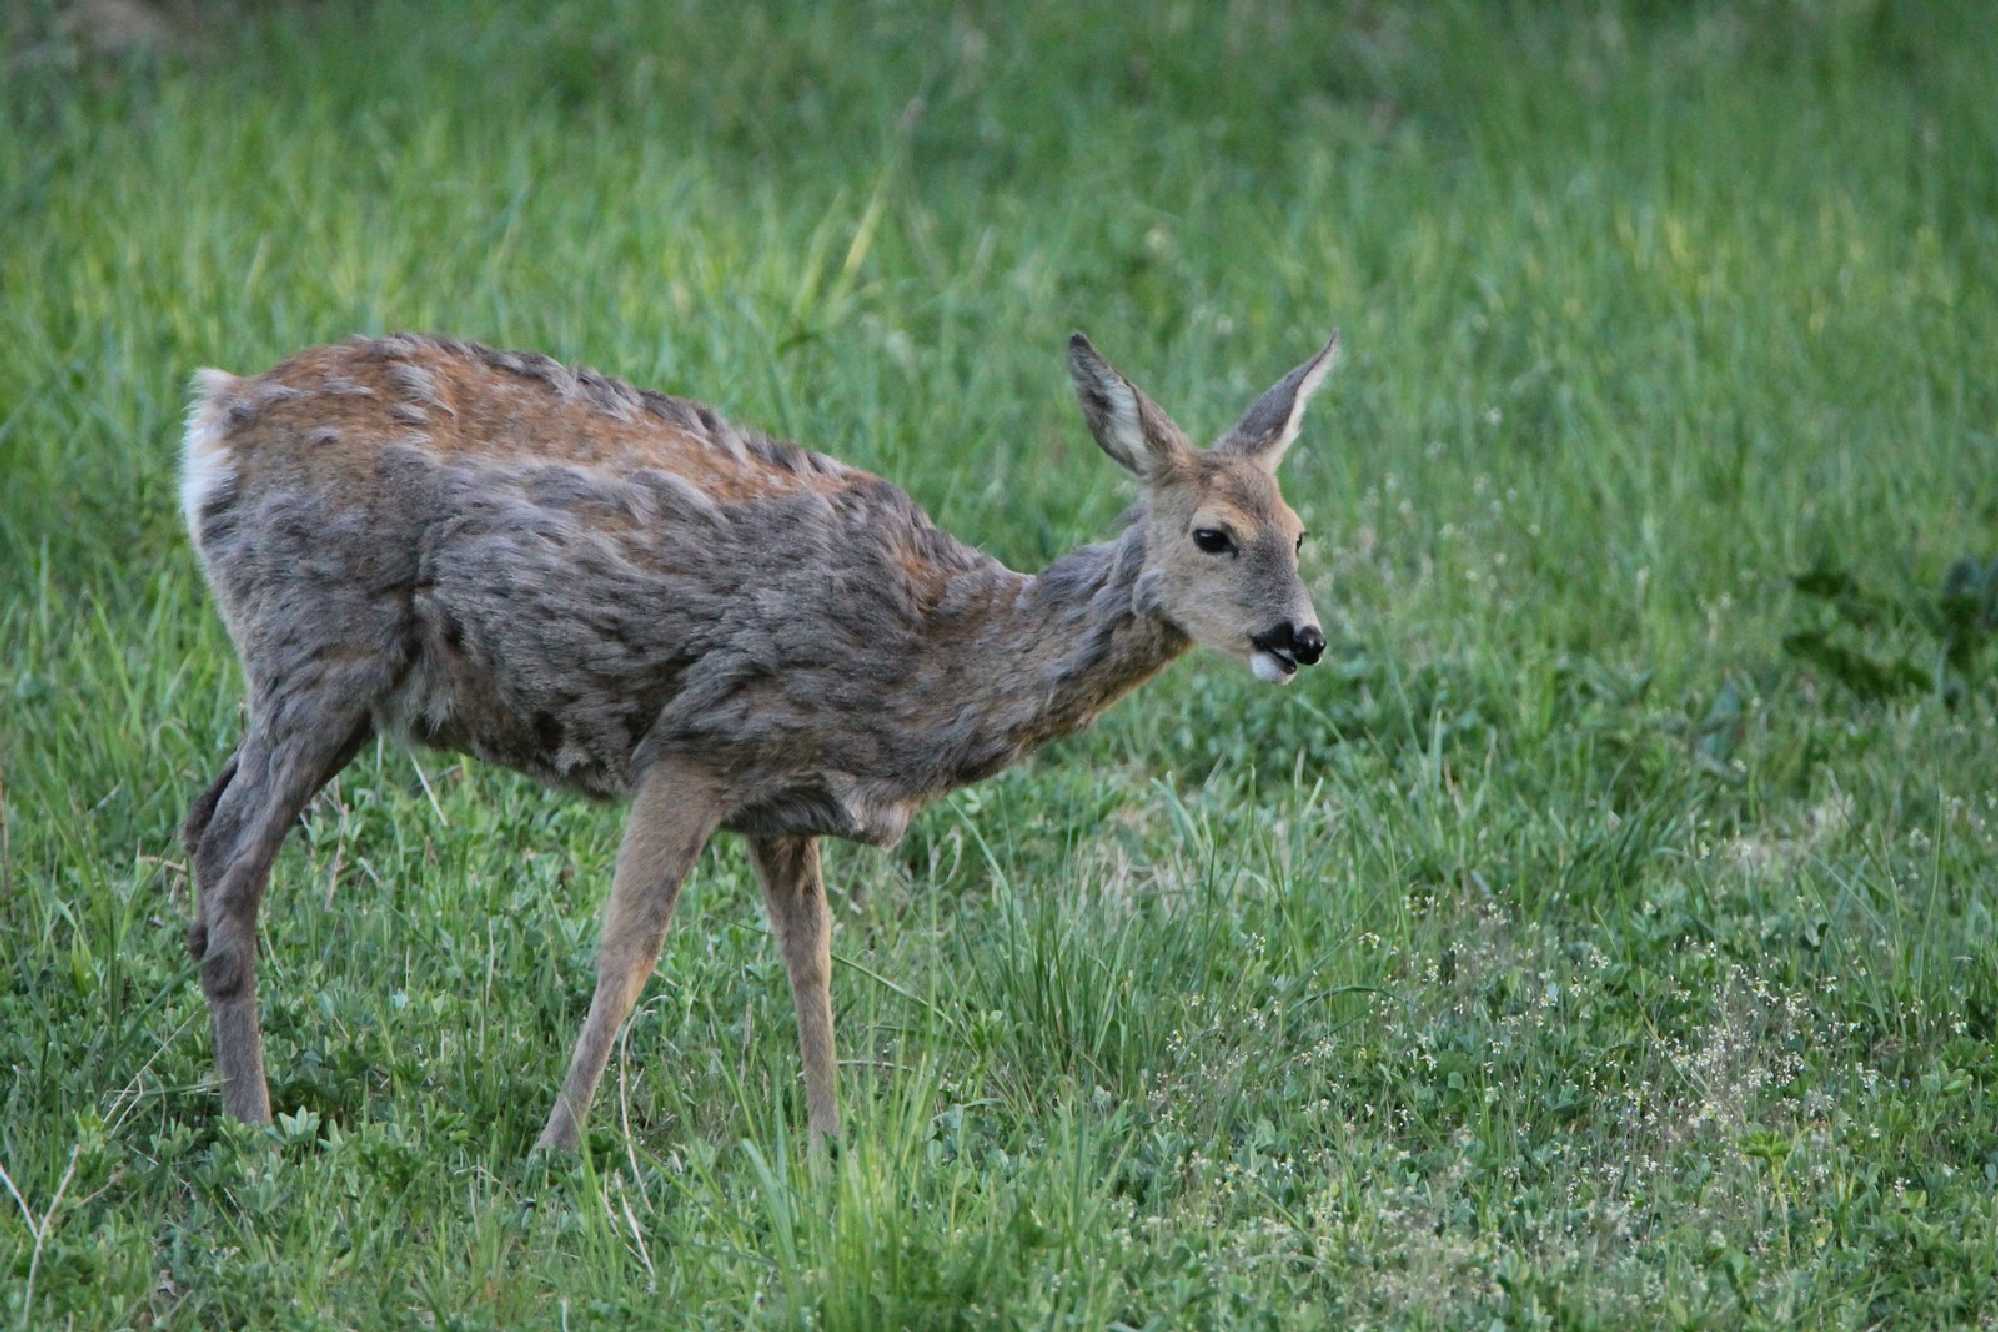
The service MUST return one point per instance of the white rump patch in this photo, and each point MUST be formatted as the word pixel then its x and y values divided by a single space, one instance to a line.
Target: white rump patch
pixel 204 464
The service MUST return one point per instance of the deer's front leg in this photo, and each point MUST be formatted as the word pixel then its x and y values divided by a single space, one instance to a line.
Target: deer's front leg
pixel 796 894
pixel 671 819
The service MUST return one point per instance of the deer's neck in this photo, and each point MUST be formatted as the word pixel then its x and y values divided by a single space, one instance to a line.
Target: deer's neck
pixel 1063 645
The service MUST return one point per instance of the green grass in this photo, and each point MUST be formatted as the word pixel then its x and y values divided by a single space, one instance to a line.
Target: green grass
pixel 1590 942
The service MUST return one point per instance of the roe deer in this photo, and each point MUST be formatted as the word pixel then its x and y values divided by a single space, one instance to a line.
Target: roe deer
pixel 618 592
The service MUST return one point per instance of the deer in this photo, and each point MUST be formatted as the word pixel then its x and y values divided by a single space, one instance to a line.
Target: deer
pixel 619 593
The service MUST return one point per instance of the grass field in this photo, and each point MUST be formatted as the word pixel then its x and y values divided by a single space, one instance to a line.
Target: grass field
pixel 1604 936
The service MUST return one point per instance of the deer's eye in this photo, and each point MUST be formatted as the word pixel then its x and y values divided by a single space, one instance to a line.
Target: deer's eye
pixel 1300 541
pixel 1213 540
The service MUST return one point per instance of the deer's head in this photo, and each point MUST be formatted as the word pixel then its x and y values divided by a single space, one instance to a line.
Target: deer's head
pixel 1221 546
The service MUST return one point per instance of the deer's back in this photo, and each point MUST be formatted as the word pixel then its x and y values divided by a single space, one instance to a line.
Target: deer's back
pixel 557 570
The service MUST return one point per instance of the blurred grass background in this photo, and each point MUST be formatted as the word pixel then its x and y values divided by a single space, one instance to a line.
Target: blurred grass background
pixel 1603 935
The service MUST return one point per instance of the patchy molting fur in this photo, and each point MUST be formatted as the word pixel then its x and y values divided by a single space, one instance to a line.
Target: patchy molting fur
pixel 793 623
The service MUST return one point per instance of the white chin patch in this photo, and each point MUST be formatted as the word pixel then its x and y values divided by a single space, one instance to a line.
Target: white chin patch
pixel 1268 669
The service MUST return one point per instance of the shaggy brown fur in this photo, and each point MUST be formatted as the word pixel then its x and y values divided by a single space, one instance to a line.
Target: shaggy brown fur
pixel 618 592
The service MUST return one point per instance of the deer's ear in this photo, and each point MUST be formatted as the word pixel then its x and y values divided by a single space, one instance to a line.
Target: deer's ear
pixel 1267 429
pixel 1130 427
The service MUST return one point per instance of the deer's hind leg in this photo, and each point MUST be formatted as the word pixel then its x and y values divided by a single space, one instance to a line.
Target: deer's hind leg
pixel 794 889
pixel 672 816
pixel 234 830
pixel 203 810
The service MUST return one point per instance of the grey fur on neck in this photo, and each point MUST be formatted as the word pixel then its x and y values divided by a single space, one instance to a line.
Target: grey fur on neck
pixel 1085 636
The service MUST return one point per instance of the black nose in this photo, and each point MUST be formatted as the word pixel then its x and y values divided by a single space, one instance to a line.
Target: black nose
pixel 1306 644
